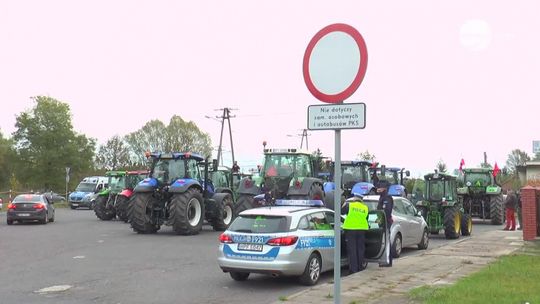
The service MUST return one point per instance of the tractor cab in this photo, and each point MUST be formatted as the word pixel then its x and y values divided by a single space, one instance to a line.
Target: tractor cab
pixel 393 175
pixel 284 168
pixel 355 178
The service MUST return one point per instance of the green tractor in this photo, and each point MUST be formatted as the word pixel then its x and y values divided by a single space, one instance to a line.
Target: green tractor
pixel 441 207
pixel 286 173
pixel 482 196
pixel 113 200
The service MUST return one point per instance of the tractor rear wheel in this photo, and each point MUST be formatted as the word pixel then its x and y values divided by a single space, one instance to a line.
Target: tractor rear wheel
pixel 129 210
pixel 452 222
pixel 244 202
pixel 225 214
pixel 100 209
pixel 466 225
pixel 186 212
pixel 496 210
pixel 121 207
pixel 141 213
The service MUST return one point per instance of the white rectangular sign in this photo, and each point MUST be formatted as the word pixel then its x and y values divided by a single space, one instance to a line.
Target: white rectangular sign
pixel 337 116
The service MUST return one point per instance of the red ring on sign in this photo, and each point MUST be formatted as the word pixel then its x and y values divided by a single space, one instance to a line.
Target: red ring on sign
pixel 339 97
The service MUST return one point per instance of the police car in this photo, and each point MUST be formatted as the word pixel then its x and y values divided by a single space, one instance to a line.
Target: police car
pixel 292 238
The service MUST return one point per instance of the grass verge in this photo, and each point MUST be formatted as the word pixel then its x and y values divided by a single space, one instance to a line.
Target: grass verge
pixel 511 279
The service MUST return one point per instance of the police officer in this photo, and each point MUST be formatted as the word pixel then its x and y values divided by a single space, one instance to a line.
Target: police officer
pixel 386 203
pixel 355 227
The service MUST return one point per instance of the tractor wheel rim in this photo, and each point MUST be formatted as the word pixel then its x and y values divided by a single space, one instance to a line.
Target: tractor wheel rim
pixel 194 211
pixel 227 214
pixel 314 269
pixel 457 222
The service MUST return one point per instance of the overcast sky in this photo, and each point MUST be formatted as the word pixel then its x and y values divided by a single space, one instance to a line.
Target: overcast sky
pixel 444 80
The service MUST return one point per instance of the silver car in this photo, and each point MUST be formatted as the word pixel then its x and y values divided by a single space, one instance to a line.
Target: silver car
pixel 409 227
pixel 288 241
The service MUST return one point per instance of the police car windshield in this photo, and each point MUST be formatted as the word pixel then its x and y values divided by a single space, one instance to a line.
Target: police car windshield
pixel 86 187
pixel 260 224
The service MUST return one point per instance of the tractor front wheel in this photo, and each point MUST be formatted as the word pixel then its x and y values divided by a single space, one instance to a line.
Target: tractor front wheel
pixel 141 213
pixel 186 212
pixel 225 214
pixel 496 210
pixel 100 209
pixel 452 222
pixel 466 225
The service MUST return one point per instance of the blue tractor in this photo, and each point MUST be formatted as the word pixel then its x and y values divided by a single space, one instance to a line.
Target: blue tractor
pixel 176 193
pixel 394 176
pixel 355 178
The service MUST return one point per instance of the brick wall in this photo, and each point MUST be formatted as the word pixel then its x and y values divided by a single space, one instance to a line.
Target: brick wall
pixel 529 213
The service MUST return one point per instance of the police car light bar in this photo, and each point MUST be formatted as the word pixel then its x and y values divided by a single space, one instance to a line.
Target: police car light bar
pixel 299 203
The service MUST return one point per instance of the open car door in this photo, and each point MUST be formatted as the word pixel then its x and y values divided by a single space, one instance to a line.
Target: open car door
pixel 376 237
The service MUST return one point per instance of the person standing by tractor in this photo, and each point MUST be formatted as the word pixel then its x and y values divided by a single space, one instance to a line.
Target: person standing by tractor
pixel 235 167
pixel 510 204
pixel 355 227
pixel 386 203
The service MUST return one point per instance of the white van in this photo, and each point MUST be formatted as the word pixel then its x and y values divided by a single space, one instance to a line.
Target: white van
pixel 86 191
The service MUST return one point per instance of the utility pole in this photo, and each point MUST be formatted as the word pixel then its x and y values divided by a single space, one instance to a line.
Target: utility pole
pixel 303 135
pixel 226 115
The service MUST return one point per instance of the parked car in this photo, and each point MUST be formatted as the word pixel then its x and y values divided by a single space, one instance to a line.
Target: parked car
pixel 291 238
pixel 409 227
pixel 30 207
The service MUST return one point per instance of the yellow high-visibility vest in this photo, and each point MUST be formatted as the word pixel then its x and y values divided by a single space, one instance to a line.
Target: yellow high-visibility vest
pixel 357 217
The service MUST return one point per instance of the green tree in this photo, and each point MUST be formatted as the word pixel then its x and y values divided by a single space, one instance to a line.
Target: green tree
pixel 179 135
pixel 441 166
pixel 113 155
pixel 6 161
pixel 45 144
pixel 516 158
pixel 366 156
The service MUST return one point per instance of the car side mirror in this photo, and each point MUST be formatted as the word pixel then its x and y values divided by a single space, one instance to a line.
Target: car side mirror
pixel 419 213
pixel 407 173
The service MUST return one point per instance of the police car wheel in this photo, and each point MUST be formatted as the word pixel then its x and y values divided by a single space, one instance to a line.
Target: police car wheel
pixel 396 247
pixel 239 276
pixel 312 272
pixel 424 243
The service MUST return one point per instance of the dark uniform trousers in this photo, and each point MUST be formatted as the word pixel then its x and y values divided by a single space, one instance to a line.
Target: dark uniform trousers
pixel 355 248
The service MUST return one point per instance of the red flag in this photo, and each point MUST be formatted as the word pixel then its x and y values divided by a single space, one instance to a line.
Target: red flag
pixel 496 170
pixel 374 165
pixel 461 164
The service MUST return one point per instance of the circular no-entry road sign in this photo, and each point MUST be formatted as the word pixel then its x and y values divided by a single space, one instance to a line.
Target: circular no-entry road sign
pixel 335 63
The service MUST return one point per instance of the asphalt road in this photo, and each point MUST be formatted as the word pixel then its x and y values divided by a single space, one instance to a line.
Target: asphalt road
pixel 106 262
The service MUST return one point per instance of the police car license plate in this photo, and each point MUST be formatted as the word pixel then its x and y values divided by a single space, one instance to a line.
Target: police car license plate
pixel 250 247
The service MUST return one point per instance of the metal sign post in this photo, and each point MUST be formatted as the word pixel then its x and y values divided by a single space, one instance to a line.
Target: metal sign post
pixel 337 218
pixel 335 63
pixel 67 181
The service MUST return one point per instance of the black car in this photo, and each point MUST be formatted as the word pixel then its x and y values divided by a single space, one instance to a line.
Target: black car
pixel 30 207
